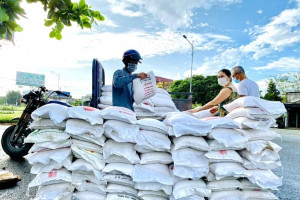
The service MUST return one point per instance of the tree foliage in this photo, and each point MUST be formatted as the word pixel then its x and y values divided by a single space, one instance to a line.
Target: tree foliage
pixel 60 13
pixel 273 94
pixel 204 89
pixel 289 82
pixel 12 97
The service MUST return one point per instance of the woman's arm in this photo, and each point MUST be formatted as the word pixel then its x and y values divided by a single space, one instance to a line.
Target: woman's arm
pixel 223 95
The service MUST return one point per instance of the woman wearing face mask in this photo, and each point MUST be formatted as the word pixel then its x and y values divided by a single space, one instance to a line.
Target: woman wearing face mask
pixel 226 95
pixel 122 89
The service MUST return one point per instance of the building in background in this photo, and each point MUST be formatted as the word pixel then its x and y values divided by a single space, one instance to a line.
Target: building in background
pixel 164 83
pixel 293 109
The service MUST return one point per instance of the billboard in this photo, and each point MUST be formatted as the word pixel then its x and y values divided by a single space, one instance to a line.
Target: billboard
pixel 30 79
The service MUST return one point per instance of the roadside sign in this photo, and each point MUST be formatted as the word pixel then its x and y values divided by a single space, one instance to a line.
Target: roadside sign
pixel 30 79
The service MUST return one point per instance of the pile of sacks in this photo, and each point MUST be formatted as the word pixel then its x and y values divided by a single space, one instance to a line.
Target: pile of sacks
pixel 155 106
pixel 83 153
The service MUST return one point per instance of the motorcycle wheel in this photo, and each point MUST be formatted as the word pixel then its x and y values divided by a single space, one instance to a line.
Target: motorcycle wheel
pixel 14 151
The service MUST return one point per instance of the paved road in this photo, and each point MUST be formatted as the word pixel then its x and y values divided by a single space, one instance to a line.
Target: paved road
pixel 289 156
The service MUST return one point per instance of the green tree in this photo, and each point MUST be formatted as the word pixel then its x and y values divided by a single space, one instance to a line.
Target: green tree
pixel 60 13
pixel 273 94
pixel 2 100
pixel 12 97
pixel 77 102
pixel 204 88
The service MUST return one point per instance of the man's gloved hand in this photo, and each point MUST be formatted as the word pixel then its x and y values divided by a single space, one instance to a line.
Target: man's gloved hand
pixel 142 75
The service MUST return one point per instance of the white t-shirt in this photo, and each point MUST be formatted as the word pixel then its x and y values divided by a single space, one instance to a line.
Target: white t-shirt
pixel 248 88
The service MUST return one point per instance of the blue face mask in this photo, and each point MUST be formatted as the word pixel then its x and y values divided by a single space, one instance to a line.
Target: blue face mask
pixel 236 80
pixel 132 67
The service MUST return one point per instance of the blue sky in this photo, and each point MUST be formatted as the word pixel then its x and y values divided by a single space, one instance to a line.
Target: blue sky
pixel 262 36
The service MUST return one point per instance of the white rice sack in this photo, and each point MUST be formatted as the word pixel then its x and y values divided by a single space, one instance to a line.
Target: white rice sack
pixel 264 178
pixel 78 178
pixel 163 91
pixel 155 158
pixel 222 170
pixel 84 166
pixel 189 157
pixel 52 165
pixel 53 177
pixel 261 164
pixel 96 159
pixel 121 196
pixel 271 107
pixel 88 195
pixel 161 111
pixel 252 134
pixel 47 135
pixel 143 107
pixel 140 114
pixel 87 186
pixel 228 137
pixel 59 191
pixel 90 138
pixel 222 122
pixel 247 185
pixel 106 88
pixel 184 124
pixel 246 123
pixel 222 185
pixel 86 113
pixel 152 125
pixel 103 106
pixel 144 88
pixel 186 172
pixel 119 113
pixel 163 94
pixel 192 197
pixel 44 157
pixel 187 188
pixel 258 195
pixel 50 145
pixel 227 195
pixel 256 147
pixel 121 131
pixel 162 102
pixel 153 141
pixel 119 168
pixel 223 156
pixel 214 145
pixel 56 112
pixel 251 113
pixel 265 155
pixel 46 124
pixel 78 127
pixel 87 146
pixel 106 94
pixel 115 188
pixel 193 142
pixel 154 186
pixel 107 100
pixel 119 179
pixel 203 114
pixel 123 150
pixel 152 173
pixel 152 195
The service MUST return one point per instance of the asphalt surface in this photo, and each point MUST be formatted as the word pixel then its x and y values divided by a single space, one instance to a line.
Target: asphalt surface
pixel 290 190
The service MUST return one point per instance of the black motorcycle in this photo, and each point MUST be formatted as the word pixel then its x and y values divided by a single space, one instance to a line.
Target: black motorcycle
pixel 12 140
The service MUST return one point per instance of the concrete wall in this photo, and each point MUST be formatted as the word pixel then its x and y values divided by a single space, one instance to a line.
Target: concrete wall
pixel 292 97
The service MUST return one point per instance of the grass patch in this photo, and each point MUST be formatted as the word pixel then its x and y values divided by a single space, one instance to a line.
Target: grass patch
pixel 12 108
pixel 7 118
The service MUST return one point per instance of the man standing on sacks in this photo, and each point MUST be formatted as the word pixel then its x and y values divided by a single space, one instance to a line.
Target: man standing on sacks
pixel 122 89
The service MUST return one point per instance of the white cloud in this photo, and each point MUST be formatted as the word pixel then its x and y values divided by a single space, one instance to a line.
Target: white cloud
pixel 260 12
pixel 173 14
pixel 108 22
pixel 283 64
pixel 280 33
pixel 263 85
pixel 211 66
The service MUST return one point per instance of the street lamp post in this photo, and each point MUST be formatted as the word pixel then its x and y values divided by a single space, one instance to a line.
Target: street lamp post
pixel 192 45
pixel 58 77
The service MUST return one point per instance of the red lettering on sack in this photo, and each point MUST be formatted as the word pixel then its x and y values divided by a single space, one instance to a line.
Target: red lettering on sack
pixel 172 168
pixel 52 174
pixel 223 152
pixel 88 108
